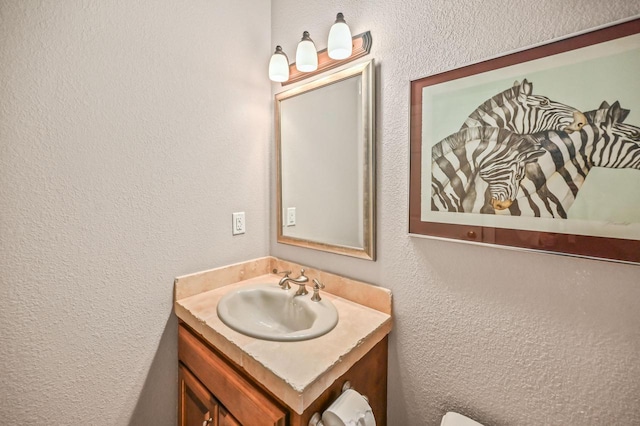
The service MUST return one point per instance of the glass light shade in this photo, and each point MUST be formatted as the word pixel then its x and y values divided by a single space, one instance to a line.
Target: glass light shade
pixel 340 45
pixel 279 66
pixel 306 54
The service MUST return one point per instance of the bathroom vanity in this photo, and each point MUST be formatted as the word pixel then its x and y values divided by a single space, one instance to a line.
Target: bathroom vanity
pixel 228 378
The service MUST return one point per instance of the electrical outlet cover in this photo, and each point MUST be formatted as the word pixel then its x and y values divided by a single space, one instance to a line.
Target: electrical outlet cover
pixel 291 216
pixel 237 224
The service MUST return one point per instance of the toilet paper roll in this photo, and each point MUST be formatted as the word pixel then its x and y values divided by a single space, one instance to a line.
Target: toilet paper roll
pixel 350 409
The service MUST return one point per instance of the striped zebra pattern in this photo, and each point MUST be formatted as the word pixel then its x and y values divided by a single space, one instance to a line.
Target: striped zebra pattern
pixel 551 184
pixel 495 156
pixel 518 110
pixel 515 110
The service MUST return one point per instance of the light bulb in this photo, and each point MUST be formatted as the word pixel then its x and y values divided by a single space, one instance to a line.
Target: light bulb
pixel 340 43
pixel 279 66
pixel 306 54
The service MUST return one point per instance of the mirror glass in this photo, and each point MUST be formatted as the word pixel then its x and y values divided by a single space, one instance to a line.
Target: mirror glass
pixel 325 154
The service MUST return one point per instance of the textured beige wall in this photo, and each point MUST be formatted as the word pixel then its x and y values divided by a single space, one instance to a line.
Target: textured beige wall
pixel 129 133
pixel 124 148
pixel 509 338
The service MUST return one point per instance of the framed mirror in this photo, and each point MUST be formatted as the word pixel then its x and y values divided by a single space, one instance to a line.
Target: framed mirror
pixel 325 154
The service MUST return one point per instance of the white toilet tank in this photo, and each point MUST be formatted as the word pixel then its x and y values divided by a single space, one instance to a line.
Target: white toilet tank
pixel 455 419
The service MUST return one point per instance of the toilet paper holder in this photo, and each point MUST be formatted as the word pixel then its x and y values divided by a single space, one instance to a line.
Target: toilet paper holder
pixel 316 419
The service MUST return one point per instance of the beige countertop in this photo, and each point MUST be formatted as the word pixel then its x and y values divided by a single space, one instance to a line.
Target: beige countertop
pixel 295 372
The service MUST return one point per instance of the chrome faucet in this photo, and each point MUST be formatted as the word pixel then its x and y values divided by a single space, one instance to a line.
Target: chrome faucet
pixel 301 281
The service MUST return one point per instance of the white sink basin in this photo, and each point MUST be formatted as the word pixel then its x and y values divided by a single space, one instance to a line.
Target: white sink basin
pixel 266 311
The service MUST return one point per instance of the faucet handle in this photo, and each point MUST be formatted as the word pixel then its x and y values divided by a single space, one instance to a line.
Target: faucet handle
pixel 286 273
pixel 284 281
pixel 317 285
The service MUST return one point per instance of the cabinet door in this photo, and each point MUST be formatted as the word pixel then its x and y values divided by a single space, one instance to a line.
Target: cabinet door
pixel 250 405
pixel 196 406
pixel 226 419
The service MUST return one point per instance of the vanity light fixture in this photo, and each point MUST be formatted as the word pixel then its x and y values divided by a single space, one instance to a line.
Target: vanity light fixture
pixel 340 44
pixel 341 49
pixel 306 54
pixel 279 66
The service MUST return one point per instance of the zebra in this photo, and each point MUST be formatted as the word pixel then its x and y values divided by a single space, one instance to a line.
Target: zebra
pixel 496 156
pixel 551 184
pixel 599 115
pixel 518 110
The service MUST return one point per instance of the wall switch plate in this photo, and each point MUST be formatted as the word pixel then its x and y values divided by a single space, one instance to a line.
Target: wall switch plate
pixel 237 226
pixel 291 216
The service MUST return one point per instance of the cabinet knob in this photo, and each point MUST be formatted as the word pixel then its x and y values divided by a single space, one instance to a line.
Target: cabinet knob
pixel 207 422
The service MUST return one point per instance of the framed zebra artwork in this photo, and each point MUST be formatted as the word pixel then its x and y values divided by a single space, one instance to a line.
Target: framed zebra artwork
pixel 538 149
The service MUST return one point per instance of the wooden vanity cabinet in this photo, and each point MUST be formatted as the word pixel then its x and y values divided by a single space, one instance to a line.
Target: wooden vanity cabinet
pixel 240 401
pixel 211 385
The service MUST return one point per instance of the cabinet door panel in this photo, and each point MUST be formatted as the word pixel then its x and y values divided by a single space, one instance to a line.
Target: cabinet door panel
pixel 226 419
pixel 196 406
pixel 248 404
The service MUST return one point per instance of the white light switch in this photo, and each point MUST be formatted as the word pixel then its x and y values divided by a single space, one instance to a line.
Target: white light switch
pixel 237 226
pixel 291 216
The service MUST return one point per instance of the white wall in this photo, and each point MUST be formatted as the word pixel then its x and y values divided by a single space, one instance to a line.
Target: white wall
pixel 129 133
pixel 509 338
pixel 124 148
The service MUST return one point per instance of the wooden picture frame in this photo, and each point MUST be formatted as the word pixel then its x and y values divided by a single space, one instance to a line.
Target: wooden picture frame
pixel 549 159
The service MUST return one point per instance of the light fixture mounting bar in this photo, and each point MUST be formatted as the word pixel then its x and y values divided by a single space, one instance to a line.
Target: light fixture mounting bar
pixel 361 47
